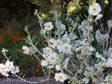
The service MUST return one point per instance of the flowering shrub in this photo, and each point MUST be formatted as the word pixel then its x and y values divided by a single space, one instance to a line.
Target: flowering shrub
pixel 78 52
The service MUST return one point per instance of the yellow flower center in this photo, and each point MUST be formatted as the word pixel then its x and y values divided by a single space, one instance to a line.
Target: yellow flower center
pixel 49 26
pixel 48 51
pixel 60 77
pixel 94 9
pixel 81 49
pixel 1 68
pixel 66 47
pixel 7 72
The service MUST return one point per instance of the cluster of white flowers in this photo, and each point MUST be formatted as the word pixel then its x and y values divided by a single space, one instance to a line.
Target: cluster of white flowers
pixel 66 47
pixel 8 67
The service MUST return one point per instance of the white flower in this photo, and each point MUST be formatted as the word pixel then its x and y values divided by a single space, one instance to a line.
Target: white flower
pixel 42 31
pixel 99 16
pixel 60 77
pixel 98 55
pixel 94 9
pixel 52 58
pixel 50 66
pixel 86 49
pixel 66 37
pixel 44 63
pixel 57 43
pixel 67 48
pixel 15 70
pixel 47 50
pixel 4 70
pixel 60 28
pixel 32 50
pixel 58 67
pixel 51 40
pixel 60 48
pixel 9 65
pixel 91 49
pixel 86 80
pixel 1 67
pixel 48 26
pixel 26 50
